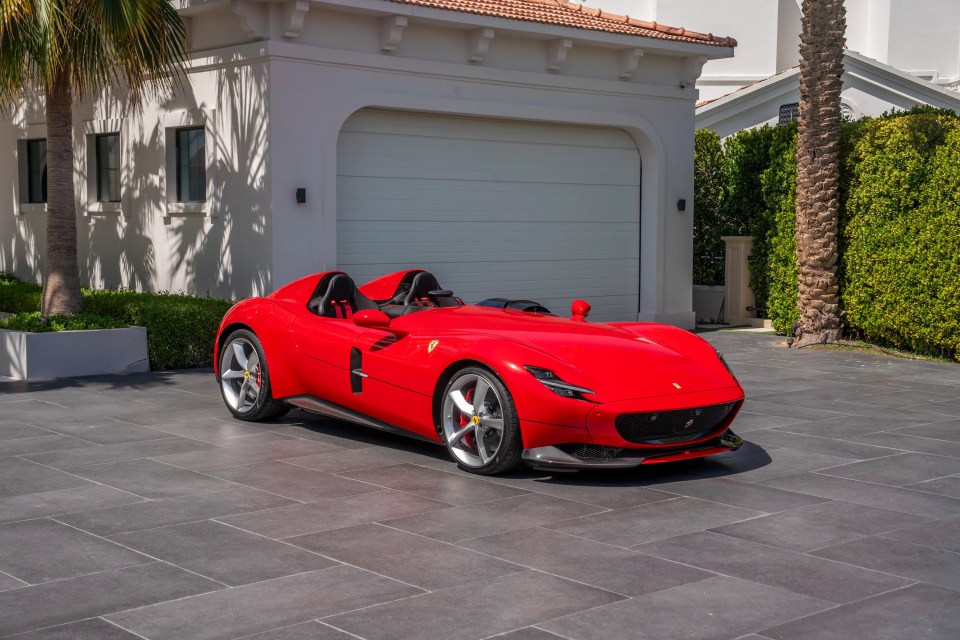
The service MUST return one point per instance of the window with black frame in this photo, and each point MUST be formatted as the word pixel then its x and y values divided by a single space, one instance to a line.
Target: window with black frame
pixel 108 167
pixel 37 171
pixel 191 165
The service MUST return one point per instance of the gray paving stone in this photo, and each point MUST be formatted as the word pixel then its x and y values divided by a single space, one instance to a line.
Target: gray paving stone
pixel 913 561
pixel 263 606
pixel 36 551
pixel 898 470
pixel 654 521
pixel 355 459
pixel 150 479
pixel 92 629
pixel 74 458
pixel 938 408
pixel 63 501
pixel 820 525
pixel 489 518
pixel 436 485
pixel 817 444
pixel 716 609
pixel 335 513
pixel 740 494
pixel 871 495
pixel 101 430
pixel 801 573
pixel 223 553
pixel 19 477
pixel 940 534
pixel 918 611
pixel 787 411
pixel 161 513
pixel 843 427
pixel 413 559
pixel 290 481
pixel 949 430
pixel 313 630
pixel 600 489
pixel 223 457
pixel 746 422
pixel 755 464
pixel 528 633
pixel 13 429
pixel 911 443
pixel 949 486
pixel 58 602
pixel 495 606
pixel 600 565
pixel 9 582
pixel 40 444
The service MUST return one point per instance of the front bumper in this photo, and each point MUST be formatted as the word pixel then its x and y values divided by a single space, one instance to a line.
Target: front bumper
pixel 583 456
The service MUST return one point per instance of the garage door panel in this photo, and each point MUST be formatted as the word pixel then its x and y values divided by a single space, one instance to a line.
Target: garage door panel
pixel 493 208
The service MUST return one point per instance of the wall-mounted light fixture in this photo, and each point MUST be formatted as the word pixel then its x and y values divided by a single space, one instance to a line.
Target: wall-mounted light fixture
pixel 301 195
pixel 681 205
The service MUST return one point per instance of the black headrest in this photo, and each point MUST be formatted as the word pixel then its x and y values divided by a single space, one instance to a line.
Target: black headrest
pixel 423 284
pixel 340 288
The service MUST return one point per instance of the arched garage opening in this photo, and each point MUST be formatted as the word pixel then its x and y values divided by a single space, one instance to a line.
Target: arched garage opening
pixel 493 207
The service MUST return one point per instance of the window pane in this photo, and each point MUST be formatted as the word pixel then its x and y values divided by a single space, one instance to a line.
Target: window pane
pixel 36 171
pixel 191 165
pixel 108 167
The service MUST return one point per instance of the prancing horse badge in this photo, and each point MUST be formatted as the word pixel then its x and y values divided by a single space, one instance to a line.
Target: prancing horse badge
pixel 433 345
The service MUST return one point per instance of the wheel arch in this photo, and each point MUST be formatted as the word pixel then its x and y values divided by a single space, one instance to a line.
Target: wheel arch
pixel 225 333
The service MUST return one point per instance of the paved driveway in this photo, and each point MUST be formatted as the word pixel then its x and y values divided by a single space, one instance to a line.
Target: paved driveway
pixel 132 507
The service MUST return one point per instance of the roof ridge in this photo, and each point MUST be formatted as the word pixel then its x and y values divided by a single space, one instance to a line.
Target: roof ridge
pixel 582 17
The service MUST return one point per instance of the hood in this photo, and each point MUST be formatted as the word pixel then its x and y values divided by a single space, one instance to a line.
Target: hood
pixel 619 361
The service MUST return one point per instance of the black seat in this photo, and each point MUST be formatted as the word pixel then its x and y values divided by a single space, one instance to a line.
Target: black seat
pixel 337 296
pixel 423 284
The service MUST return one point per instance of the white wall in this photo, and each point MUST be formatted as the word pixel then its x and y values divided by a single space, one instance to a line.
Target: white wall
pixel 918 36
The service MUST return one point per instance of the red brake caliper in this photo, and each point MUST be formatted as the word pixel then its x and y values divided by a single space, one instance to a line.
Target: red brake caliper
pixel 468 439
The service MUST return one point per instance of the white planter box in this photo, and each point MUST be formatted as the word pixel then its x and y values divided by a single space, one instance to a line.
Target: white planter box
pixel 64 354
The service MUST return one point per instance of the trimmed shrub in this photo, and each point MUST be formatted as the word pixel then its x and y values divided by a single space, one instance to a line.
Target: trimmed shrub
pixel 901 263
pixel 777 250
pixel 709 219
pixel 180 328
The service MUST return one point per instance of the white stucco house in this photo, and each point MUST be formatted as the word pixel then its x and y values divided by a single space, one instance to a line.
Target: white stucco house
pixel 919 37
pixel 522 148
pixel 870 88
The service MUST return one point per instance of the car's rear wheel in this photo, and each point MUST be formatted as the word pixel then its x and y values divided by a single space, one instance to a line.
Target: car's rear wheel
pixel 479 422
pixel 245 379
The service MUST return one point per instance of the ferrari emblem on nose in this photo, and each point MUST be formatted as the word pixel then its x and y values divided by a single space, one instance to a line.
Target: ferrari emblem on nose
pixel 433 345
pixel 677 386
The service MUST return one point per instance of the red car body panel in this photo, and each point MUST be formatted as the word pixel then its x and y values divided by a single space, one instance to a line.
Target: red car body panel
pixel 632 367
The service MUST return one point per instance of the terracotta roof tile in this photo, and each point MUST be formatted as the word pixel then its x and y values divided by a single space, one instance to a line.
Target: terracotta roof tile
pixel 577 16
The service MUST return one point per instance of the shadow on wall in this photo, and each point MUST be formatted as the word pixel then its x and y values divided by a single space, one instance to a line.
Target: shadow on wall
pixel 230 255
pixel 226 256
pixel 22 238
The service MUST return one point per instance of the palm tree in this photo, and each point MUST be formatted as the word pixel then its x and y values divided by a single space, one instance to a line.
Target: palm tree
pixel 818 170
pixel 66 49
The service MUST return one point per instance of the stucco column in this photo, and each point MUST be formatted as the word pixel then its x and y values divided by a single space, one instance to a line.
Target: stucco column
pixel 739 295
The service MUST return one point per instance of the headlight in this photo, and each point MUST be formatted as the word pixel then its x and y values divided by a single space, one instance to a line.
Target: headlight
pixel 729 370
pixel 551 381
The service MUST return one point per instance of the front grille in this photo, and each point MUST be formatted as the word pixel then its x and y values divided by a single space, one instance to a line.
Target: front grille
pixel 592 452
pixel 679 425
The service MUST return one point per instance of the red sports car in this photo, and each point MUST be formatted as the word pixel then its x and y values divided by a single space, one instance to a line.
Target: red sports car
pixel 499 383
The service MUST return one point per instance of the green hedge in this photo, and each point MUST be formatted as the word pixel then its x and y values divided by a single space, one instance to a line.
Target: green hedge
pixel 180 328
pixel 901 280
pixel 899 239
pixel 709 222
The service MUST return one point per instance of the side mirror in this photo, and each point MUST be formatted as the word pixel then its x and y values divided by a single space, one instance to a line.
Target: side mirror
pixel 579 310
pixel 372 319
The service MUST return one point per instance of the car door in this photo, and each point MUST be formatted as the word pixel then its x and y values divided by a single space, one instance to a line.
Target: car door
pixel 326 344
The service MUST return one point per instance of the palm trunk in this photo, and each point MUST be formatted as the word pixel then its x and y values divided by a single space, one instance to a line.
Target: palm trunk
pixel 61 277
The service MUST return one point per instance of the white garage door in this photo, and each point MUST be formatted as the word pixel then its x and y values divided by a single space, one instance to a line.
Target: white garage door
pixel 494 208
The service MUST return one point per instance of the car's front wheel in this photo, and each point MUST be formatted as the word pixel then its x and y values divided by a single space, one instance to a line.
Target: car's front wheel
pixel 245 379
pixel 479 422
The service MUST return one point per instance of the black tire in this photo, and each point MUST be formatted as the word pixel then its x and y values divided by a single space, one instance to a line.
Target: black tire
pixel 508 453
pixel 264 407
